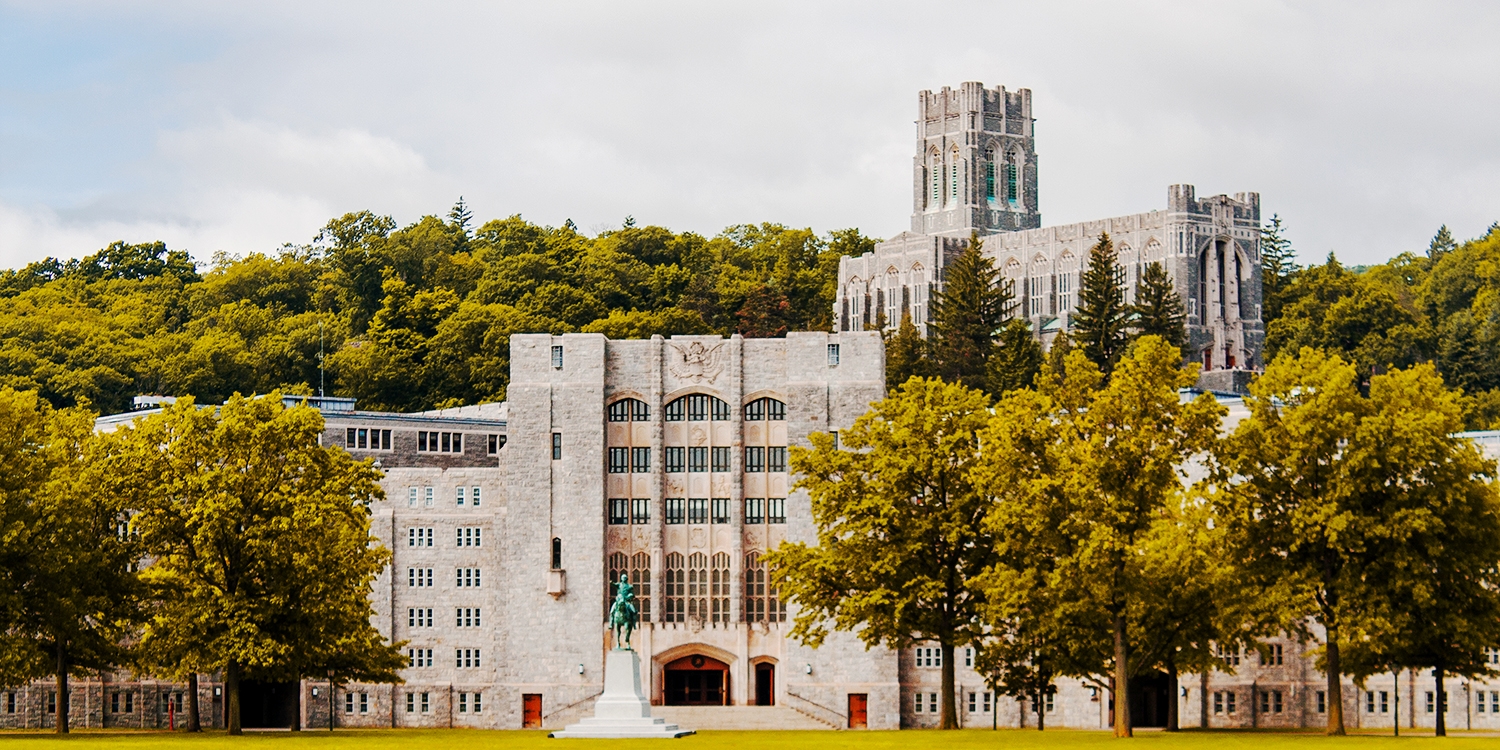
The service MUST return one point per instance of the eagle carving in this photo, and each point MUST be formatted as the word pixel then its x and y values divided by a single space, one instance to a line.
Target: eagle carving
pixel 696 362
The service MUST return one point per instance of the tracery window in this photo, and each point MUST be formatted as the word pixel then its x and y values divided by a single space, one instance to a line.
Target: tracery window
pixel 719 587
pixel 918 295
pixel 935 171
pixel 697 408
pixel 640 577
pixel 765 409
pixel 761 601
pixel 953 180
pixel 697 591
pixel 1011 173
pixel 675 609
pixel 629 410
pixel 989 174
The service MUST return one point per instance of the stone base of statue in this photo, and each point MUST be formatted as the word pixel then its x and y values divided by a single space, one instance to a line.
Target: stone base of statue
pixel 622 711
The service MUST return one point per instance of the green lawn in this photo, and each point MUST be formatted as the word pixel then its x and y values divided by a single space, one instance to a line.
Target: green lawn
pixel 972 739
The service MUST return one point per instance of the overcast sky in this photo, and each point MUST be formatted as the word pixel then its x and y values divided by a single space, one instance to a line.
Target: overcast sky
pixel 241 126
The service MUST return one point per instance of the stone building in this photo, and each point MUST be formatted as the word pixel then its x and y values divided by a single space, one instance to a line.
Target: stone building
pixel 975 173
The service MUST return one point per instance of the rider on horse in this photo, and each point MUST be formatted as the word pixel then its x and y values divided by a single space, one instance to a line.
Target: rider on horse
pixel 622 615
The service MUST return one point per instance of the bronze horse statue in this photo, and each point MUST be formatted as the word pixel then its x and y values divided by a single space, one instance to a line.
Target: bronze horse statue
pixel 623 613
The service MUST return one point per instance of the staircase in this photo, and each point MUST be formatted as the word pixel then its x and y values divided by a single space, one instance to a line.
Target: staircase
pixel 736 717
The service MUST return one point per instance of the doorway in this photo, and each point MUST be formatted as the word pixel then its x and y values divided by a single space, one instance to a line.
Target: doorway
pixel 531 711
pixel 859 710
pixel 268 705
pixel 695 680
pixel 765 684
pixel 1149 694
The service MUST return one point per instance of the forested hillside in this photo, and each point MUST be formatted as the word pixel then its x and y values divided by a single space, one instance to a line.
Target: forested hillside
pixel 411 318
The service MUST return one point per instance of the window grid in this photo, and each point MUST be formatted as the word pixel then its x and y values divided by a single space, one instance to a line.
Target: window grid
pixel 419 617
pixel 675 510
pixel 440 442
pixel 720 510
pixel 419 578
pixel 465 658
pixel 367 439
pixel 419 657
pixel 465 617
pixel 419 537
pixel 697 510
pixel 467 578
pixel 469 536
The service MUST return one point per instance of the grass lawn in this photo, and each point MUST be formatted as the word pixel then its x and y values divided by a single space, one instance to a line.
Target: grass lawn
pixel 970 739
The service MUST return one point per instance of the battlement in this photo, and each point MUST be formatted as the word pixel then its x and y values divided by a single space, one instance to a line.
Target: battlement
pixel 972 97
pixel 1242 207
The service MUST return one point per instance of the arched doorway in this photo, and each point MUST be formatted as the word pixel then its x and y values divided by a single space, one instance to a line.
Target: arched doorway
pixel 695 680
pixel 765 684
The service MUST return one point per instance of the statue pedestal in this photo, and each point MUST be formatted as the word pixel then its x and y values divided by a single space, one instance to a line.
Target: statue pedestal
pixel 622 711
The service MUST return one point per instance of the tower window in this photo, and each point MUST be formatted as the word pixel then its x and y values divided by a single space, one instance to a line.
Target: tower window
pixel 1010 182
pixel 989 178
pixel 953 183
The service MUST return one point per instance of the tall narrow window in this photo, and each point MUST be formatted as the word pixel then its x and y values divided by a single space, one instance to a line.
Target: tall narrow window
pixel 556 557
pixel 557 354
pixel 640 577
pixel 936 173
pixel 719 588
pixel 1010 180
pixel 697 592
pixel 953 177
pixel 556 446
pixel 675 589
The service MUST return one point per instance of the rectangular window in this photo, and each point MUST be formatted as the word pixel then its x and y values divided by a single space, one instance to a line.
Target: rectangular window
pixel 440 442
pixel 619 460
pixel 492 445
pixel 1370 702
pixel 467 577
pixel 557 361
pixel 776 510
pixel 364 703
pixel 419 657
pixel 467 617
pixel 419 537
pixel 640 510
pixel 755 459
pixel 411 497
pixel 51 701
pixel 973 702
pixel 720 510
pixel 968 657
pixel 1385 702
pixel 676 509
pixel 986 702
pixel 463 703
pixel 557 446
pixel 419 577
pixel 675 459
pixel 1429 702
pixel 427 496
pixel 466 658
pixel 348 703
pixel 640 460
pixel 833 355
pixel 697 459
pixel 419 617
pixel 698 510
pixel 755 510
pixel 411 702
pixel 426 701
pixel 461 495
pixel 1265 701
pixel 721 459
pixel 10 703
pixel 917 702
pixel 1273 657
pixel 468 536
pixel 776 459
pixel 619 510
pixel 1322 700
pixel 1275 701
pixel 474 496
pixel 1218 703
pixel 114 703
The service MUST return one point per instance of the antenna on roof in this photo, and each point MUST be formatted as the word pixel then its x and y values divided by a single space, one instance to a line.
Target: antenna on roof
pixel 320 360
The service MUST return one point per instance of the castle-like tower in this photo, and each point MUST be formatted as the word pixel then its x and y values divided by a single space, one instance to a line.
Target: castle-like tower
pixel 975 164
pixel 975 172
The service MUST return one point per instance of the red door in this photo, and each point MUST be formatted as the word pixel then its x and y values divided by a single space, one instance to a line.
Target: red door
pixel 858 710
pixel 531 711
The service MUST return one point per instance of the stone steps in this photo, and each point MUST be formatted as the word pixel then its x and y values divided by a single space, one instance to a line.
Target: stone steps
pixel 736 717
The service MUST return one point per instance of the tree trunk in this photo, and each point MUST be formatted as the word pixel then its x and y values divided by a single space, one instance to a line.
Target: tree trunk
pixel 1441 727
pixel 63 692
pixel 297 709
pixel 1203 699
pixel 193 723
pixel 950 711
pixel 1335 686
pixel 1122 680
pixel 1171 694
pixel 232 698
pixel 1041 710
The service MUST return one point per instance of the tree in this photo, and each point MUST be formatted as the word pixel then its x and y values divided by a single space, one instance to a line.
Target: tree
pixel 70 591
pixel 899 527
pixel 1158 309
pixel 1016 361
pixel 263 558
pixel 1076 515
pixel 907 355
pixel 966 316
pixel 1278 267
pixel 1441 244
pixel 1101 324
pixel 1435 553
pixel 1302 494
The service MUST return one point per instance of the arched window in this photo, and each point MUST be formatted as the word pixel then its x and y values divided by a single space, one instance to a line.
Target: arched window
pixel 640 577
pixel 761 601
pixel 697 408
pixel 697 588
pixel 1012 176
pixel 989 173
pixel 1039 288
pixel 894 296
pixel 935 173
pixel 675 589
pixel 918 294
pixel 1067 265
pixel 765 409
pixel 629 410
pixel 719 590
pixel 953 176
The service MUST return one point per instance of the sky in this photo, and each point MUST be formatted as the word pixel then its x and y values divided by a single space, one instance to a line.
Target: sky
pixel 239 127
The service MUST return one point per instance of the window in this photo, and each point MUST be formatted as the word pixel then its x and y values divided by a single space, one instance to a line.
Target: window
pixel 1385 705
pixel 917 702
pixel 953 179
pixel 557 446
pixel 411 497
pixel 1443 701
pixel 629 410
pixel 1273 655
pixel 675 459
pixel 776 458
pixel 640 578
pixel 367 439
pixel 765 408
pixel 833 355
pixel 465 617
pixel 51 701
pixel 348 703
pixel 986 702
pixel 10 703
pixel 114 703
pixel 556 553
pixel 474 496
pixel 419 617
pixel 989 176
pixel 619 460
pixel 419 537
pixel 440 442
pixel 775 510
pixel 466 578
pixel 1010 181
pixel 427 496
pixel 465 700
pixel 968 657
pixel 619 511
pixel 1048 705
pixel 675 509
pixel 697 586
pixel 419 578
pixel 640 510
pixel 973 702
pixel 557 361
pixel 1230 658
pixel 469 536
pixel 755 459
pixel 675 590
pixel 697 510
pixel 720 512
pixel 1370 702
pixel 462 494
pixel 719 589
pixel 419 657
pixel 1322 700
pixel 761 601
pixel 721 459
pixel 929 657
pixel 697 459
pixel 755 510
pixel 640 460
pixel 494 444
pixel 465 658
pixel 697 408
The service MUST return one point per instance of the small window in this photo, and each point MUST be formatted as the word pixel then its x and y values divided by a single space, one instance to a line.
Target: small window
pixel 676 459
pixel 419 617
pixel 427 496
pixel 467 578
pixel 628 410
pixel 557 362
pixel 720 510
pixel 755 459
pixel 492 446
pixel 776 510
pixel 462 493
pixel 619 460
pixel 640 460
pixel 466 658
pixel 474 496
pixel 833 355
pixel 765 408
pixel 640 510
pixel 697 459
pixel 697 510
pixel 776 459
pixel 675 510
pixel 557 446
pixel 556 553
pixel 721 459
pixel 1322 700
pixel 619 510
pixel 755 510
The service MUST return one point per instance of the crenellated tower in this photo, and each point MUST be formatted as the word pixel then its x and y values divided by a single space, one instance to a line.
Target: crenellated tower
pixel 975 165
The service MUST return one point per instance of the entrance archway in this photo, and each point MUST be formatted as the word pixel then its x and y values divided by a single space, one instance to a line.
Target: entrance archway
pixel 765 684
pixel 695 680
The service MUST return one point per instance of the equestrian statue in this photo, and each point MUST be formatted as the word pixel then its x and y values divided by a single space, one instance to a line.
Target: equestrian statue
pixel 623 613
